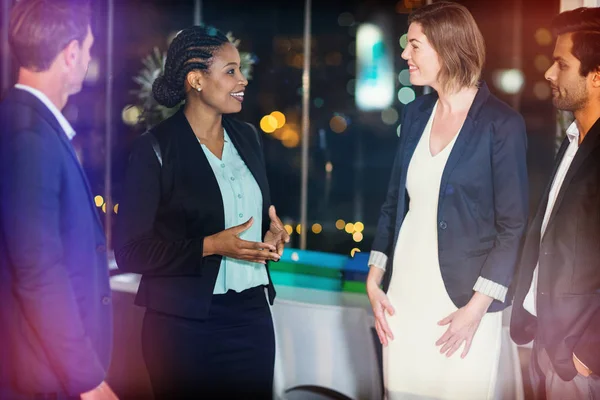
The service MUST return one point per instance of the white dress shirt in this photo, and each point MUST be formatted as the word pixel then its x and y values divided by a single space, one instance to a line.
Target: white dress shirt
pixel 573 135
pixel 62 121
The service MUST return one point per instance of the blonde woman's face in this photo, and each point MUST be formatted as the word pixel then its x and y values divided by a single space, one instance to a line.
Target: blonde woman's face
pixel 423 60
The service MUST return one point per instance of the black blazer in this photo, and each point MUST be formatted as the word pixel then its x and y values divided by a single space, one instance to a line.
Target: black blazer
pixel 55 300
pixel 568 291
pixel 483 201
pixel 166 212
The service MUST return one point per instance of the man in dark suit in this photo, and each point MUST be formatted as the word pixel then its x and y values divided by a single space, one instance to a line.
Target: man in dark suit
pixel 557 300
pixel 55 301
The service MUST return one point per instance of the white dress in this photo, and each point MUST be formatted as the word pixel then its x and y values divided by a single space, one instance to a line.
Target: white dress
pixel 414 368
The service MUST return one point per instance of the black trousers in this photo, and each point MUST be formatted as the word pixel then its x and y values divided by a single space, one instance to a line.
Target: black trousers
pixel 230 355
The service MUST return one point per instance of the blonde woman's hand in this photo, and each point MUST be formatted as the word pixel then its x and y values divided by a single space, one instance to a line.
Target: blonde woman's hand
pixel 463 324
pixel 381 306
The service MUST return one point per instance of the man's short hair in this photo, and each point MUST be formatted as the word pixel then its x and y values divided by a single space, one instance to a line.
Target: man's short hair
pixel 584 24
pixel 40 29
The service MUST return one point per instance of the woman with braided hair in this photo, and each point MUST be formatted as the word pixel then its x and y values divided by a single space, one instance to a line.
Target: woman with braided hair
pixel 196 221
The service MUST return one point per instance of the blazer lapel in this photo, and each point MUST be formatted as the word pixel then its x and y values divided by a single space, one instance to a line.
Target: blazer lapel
pixel 541 210
pixel 590 142
pixel 33 102
pixel 414 135
pixel 199 178
pixel 463 139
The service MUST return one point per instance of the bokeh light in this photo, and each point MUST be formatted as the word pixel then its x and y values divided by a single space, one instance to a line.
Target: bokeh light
pixel 349 227
pixel 131 114
pixel 351 86
pixel 346 19
pixel 359 227
pixel 317 228
pixel 403 41
pixel 542 63
pixel 279 117
pixel 542 90
pixel 509 81
pixel 404 78
pixel 406 95
pixel 543 37
pixel 389 116
pixel 289 229
pixel 268 124
pixel 99 201
pixel 338 124
pixel 290 137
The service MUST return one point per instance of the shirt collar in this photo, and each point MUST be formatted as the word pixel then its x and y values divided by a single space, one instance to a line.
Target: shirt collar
pixel 573 132
pixel 64 124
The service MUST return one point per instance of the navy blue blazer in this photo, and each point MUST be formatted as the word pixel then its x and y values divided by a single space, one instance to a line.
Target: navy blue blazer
pixel 56 312
pixel 483 201
pixel 166 212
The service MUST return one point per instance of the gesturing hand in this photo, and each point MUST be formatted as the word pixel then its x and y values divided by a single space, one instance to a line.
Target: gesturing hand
pixel 227 243
pixel 276 235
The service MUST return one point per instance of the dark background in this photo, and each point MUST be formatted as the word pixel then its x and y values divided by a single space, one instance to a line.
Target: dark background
pixel 363 154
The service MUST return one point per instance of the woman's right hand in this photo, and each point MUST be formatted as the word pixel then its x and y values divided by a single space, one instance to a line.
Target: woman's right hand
pixel 228 244
pixel 380 304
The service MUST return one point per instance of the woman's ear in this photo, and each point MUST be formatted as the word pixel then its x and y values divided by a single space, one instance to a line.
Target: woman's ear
pixel 195 79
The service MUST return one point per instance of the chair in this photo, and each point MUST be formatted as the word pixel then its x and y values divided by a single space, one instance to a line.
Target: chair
pixel 328 350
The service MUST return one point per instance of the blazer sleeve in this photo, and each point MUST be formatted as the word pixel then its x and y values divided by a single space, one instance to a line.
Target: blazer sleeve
pixel 138 247
pixel 384 235
pixel 509 170
pixel 30 215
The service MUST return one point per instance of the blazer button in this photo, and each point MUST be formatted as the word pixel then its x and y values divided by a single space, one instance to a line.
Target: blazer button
pixel 443 225
pixel 106 300
pixel 101 249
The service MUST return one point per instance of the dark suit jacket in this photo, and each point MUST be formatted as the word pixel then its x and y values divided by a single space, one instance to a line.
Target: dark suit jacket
pixel 166 212
pixel 483 201
pixel 55 304
pixel 568 291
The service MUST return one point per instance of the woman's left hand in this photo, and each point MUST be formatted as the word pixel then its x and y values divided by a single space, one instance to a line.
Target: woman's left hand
pixel 276 235
pixel 463 325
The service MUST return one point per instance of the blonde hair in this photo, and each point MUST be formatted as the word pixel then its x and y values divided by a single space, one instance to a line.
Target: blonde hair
pixel 455 36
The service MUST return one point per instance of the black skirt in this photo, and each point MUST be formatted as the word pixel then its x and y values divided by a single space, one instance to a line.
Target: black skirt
pixel 229 355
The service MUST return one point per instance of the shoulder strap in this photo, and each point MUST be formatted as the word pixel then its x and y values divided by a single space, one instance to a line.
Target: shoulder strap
pixel 155 146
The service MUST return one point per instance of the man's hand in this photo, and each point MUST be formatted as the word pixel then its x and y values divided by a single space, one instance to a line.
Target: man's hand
pixel 102 392
pixel 580 367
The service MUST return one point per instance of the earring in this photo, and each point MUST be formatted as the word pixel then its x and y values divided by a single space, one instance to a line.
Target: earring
pixel 199 89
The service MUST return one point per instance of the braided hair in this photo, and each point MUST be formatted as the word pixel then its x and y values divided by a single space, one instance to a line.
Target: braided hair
pixel 192 49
